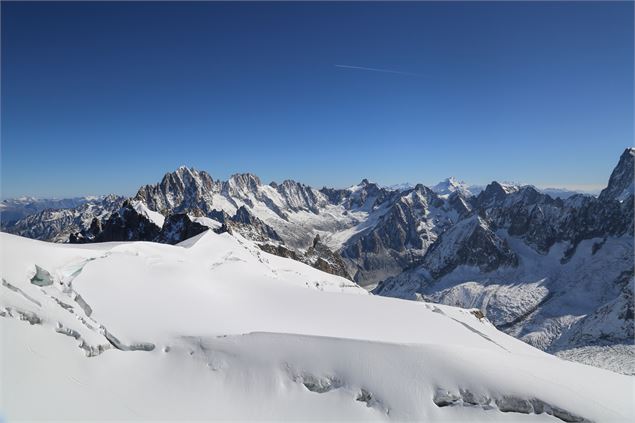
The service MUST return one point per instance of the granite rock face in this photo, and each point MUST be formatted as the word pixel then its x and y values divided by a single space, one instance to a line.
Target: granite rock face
pixel 318 256
pixel 125 224
pixel 620 185
pixel 470 243
pixel 179 227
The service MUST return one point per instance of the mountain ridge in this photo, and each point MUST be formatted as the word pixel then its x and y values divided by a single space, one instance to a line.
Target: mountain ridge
pixel 450 246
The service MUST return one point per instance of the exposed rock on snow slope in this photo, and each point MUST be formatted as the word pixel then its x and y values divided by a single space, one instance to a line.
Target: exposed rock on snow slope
pixel 620 185
pixel 318 256
pixel 17 208
pixel 132 221
pixel 58 224
pixel 215 328
pixel 470 242
pixel 561 279
pixel 541 301
pixel 403 233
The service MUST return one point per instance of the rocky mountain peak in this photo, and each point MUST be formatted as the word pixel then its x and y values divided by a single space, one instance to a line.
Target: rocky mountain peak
pixel 244 182
pixel 620 186
pixel 365 195
pixel 422 189
pixel 122 225
pixel 243 216
pixel 459 202
pixel 299 196
pixel 450 185
pixel 181 170
pixel 365 184
pixel 470 242
pixel 184 176
pixel 493 193
pixel 178 227
pixel 180 190
pixel 246 224
pixel 528 195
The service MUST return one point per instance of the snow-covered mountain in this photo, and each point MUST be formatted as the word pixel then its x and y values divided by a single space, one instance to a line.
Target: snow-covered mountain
pixel 556 274
pixel 57 224
pixel 562 193
pixel 517 254
pixel 215 328
pixel 378 231
pixel 17 208
pixel 451 184
pixel 620 185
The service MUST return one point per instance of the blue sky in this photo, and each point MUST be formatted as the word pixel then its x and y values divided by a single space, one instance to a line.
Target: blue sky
pixel 104 97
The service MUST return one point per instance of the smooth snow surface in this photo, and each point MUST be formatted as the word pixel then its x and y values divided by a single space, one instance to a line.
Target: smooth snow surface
pixel 214 328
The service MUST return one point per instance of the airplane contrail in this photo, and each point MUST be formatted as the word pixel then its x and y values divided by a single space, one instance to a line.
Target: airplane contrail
pixel 377 70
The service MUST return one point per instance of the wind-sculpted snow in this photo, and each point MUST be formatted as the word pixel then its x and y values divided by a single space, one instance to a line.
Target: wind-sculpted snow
pixel 215 328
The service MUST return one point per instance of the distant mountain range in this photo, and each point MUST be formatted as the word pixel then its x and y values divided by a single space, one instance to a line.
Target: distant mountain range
pixel 553 270
pixel 52 222
pixel 451 184
pixel 17 208
pixel 13 209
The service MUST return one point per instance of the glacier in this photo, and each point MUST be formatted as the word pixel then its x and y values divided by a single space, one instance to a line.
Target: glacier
pixel 215 328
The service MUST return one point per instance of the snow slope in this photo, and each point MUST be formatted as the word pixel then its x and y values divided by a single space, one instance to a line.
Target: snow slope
pixel 214 328
pixel 554 306
pixel 154 217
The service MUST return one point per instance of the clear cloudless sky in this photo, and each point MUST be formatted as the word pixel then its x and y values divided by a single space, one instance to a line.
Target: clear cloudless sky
pixel 104 97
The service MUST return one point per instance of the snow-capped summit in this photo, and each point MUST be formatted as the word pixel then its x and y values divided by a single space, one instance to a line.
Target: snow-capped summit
pixel 450 185
pixel 242 184
pixel 179 190
pixel 360 186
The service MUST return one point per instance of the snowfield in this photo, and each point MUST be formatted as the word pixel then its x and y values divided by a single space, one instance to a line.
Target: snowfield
pixel 214 328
